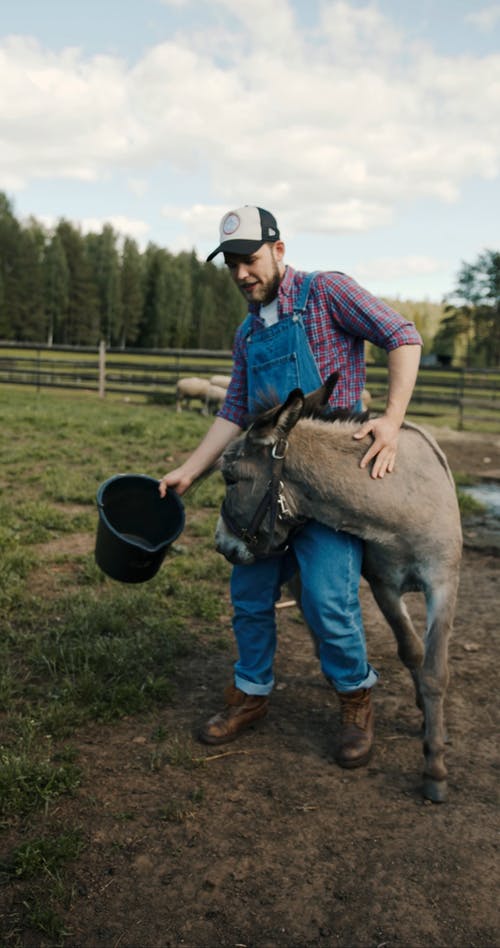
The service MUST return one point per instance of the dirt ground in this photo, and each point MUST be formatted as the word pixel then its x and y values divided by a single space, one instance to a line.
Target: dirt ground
pixel 266 842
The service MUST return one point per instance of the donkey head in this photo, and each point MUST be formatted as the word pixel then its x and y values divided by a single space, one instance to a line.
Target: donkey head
pixel 277 422
pixel 257 517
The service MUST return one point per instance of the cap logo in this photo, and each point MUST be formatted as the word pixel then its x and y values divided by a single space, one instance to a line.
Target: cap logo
pixel 230 225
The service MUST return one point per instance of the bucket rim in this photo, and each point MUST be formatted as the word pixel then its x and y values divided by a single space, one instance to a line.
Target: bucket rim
pixel 153 481
pixel 124 476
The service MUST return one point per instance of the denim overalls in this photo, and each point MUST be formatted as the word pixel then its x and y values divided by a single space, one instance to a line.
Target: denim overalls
pixel 280 359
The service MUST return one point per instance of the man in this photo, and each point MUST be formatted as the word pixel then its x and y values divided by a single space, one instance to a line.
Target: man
pixel 300 328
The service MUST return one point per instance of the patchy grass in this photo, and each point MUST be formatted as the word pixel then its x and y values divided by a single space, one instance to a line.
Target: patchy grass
pixel 29 781
pixel 44 857
pixel 468 505
pixel 77 646
pixel 37 869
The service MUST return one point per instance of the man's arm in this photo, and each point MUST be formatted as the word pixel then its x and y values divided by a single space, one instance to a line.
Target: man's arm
pixel 217 438
pixel 403 366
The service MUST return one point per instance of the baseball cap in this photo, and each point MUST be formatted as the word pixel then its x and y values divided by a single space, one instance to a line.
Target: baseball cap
pixel 245 230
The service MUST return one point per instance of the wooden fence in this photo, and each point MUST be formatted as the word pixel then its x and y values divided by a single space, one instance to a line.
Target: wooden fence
pixel 461 397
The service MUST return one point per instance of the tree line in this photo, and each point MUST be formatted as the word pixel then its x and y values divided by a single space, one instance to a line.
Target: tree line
pixel 63 287
pixel 469 332
pixel 67 288
pixel 463 330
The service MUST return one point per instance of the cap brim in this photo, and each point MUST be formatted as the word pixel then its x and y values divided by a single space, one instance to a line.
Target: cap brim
pixel 237 246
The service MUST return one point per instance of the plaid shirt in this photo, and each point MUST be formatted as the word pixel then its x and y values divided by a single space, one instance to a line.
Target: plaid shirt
pixel 339 316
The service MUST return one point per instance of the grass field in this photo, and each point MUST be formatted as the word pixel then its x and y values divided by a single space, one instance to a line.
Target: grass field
pixel 77 647
pixel 466 399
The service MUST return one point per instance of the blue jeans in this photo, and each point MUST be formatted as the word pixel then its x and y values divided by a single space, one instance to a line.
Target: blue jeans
pixel 329 562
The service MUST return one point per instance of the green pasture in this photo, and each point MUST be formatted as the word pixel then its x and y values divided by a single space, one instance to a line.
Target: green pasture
pixel 77 647
pixel 467 399
pixel 132 360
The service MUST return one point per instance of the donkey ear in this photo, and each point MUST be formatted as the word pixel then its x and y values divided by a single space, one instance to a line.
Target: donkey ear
pixel 289 412
pixel 277 422
pixel 317 401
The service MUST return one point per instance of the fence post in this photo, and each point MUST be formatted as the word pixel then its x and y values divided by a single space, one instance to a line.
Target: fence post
pixel 102 368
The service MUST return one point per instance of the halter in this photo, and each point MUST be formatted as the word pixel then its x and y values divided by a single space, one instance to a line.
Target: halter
pixel 273 500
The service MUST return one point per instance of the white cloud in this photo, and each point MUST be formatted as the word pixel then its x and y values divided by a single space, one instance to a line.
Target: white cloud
pixel 336 128
pixel 485 19
pixel 397 268
pixel 124 226
pixel 271 29
pixel 138 186
pixel 202 218
pixel 359 33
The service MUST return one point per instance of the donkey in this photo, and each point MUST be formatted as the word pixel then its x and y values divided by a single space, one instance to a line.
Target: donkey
pixel 295 463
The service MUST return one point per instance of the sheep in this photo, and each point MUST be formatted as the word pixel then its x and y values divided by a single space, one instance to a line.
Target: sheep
pixel 187 389
pixel 365 399
pixel 221 380
pixel 214 398
pixel 213 392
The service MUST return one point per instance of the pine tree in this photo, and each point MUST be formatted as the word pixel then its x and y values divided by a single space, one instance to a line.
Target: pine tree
pixel 131 294
pixel 56 288
pixel 80 325
pixel 154 314
pixel 470 330
pixel 179 296
pixel 30 284
pixel 10 250
pixel 104 263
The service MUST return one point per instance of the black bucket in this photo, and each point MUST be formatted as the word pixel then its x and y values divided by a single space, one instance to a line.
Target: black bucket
pixel 136 526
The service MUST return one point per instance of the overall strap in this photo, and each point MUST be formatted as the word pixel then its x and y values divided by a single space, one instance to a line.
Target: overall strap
pixel 299 308
pixel 246 326
pixel 301 303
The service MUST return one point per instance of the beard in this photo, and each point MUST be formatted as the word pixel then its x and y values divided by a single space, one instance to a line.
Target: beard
pixel 265 291
pixel 270 289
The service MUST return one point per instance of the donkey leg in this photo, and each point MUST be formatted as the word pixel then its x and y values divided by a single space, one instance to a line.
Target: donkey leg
pixel 434 681
pixel 410 645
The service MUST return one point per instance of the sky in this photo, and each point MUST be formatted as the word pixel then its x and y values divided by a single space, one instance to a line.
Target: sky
pixel 370 129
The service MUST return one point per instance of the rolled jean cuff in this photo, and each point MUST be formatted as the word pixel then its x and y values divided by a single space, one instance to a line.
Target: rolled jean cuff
pixel 251 688
pixel 368 682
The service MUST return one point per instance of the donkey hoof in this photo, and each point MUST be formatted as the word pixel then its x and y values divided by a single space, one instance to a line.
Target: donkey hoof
pixel 435 790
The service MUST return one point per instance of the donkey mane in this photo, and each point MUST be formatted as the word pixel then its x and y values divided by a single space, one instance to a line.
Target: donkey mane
pixel 340 414
pixel 329 416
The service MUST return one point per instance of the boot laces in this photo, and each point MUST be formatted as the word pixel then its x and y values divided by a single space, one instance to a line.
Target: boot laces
pixel 353 707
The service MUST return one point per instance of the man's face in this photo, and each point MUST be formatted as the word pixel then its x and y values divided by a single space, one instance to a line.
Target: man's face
pixel 259 274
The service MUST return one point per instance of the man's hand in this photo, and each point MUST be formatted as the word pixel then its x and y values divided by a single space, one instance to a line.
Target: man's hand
pixel 217 438
pixel 179 479
pixel 403 367
pixel 385 434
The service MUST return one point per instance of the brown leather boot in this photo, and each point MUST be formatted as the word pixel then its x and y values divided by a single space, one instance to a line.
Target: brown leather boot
pixel 355 740
pixel 240 712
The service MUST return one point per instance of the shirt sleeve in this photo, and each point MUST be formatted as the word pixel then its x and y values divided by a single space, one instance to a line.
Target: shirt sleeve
pixel 359 313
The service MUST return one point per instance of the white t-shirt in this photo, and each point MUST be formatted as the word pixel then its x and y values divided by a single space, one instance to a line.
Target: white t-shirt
pixel 269 313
